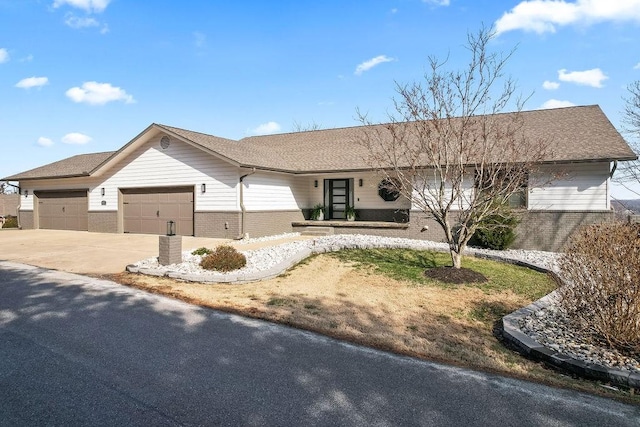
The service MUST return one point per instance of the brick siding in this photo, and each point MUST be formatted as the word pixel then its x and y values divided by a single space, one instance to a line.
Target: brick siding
pixel 550 230
pixel 103 221
pixel 265 223
pixel 26 220
pixel 217 224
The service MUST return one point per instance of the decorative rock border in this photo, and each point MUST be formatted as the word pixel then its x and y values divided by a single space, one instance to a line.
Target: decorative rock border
pixel 230 278
pixel 529 347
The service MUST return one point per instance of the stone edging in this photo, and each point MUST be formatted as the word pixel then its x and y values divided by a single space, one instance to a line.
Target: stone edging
pixel 231 278
pixel 529 347
pixel 510 323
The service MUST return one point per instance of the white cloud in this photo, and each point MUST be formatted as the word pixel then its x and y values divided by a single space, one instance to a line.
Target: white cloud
pixel 541 16
pixel 95 93
pixel 593 77
pixel 44 142
pixel 27 58
pixel 550 85
pixel 91 6
pixel 76 138
pixel 30 82
pixel 556 103
pixel 199 40
pixel 369 64
pixel 437 2
pixel 266 128
pixel 637 66
pixel 4 55
pixel 78 23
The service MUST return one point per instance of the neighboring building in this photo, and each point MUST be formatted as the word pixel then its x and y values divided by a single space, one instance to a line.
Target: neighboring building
pixel 8 206
pixel 216 187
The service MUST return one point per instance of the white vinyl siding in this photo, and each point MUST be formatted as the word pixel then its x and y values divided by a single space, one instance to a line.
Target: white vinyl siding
pixel 579 187
pixel 275 192
pixel 461 203
pixel 178 165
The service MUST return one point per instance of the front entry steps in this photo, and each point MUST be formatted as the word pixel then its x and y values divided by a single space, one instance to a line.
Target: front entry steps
pixel 316 231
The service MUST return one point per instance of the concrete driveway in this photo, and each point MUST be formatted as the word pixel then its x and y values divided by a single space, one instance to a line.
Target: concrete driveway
pixel 84 252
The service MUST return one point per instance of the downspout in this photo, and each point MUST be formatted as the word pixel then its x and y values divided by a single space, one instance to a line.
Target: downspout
pixel 613 170
pixel 243 209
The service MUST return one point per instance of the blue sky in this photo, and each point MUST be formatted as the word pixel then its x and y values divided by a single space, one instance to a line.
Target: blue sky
pixel 80 76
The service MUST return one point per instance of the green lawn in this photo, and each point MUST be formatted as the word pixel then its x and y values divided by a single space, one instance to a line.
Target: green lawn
pixel 410 264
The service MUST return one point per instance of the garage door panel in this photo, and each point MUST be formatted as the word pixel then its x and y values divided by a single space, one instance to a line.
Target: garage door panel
pixel 184 212
pixel 63 210
pixel 170 211
pixel 147 210
pixel 149 227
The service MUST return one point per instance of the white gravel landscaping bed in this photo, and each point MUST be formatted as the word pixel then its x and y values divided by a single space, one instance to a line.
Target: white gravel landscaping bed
pixel 266 258
pixel 551 328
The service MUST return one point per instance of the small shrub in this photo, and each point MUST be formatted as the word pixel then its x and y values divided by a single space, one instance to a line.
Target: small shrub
pixel 601 296
pixel 223 258
pixel 201 251
pixel 496 231
pixel 11 222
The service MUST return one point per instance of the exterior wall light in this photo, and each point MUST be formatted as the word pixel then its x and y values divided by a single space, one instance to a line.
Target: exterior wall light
pixel 203 188
pixel 102 191
pixel 315 183
pixel 360 182
pixel 26 193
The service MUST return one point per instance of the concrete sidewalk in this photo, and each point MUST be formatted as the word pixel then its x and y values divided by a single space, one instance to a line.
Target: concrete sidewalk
pixel 95 253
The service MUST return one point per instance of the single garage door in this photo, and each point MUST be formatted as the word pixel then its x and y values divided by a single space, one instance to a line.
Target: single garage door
pixel 147 210
pixel 63 210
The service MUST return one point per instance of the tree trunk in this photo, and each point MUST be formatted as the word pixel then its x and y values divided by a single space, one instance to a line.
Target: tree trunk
pixel 456 259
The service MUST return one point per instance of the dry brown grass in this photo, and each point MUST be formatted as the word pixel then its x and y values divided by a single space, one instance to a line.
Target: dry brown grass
pixel 448 324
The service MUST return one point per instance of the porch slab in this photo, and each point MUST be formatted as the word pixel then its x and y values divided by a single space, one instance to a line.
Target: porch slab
pixel 351 224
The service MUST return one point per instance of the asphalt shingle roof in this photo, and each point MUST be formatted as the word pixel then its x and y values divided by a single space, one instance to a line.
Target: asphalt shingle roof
pixel 575 133
pixel 79 165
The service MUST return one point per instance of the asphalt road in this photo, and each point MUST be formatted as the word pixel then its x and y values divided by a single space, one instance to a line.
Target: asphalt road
pixel 80 351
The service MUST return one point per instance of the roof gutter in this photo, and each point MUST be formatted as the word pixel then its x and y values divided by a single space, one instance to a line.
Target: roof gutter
pixel 243 209
pixel 14 186
pixel 19 179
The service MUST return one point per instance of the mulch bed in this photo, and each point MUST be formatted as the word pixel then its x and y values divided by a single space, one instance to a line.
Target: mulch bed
pixel 456 276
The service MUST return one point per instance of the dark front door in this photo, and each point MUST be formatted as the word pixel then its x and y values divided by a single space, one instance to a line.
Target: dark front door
pixel 338 195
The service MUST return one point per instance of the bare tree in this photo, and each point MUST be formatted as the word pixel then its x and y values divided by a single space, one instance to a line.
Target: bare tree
pixel 449 151
pixel 630 173
pixel 299 127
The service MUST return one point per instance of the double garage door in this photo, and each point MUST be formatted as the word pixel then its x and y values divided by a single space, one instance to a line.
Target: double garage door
pixel 147 210
pixel 63 210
